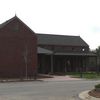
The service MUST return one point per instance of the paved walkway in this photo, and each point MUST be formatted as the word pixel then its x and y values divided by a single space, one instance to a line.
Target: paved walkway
pixel 60 78
pixel 49 78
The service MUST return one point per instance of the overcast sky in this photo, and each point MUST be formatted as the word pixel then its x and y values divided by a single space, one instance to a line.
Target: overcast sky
pixel 66 17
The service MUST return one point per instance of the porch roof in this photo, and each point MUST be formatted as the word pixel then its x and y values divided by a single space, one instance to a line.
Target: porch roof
pixel 46 51
pixel 43 51
pixel 76 54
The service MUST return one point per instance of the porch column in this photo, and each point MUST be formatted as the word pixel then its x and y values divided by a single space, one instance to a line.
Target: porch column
pixel 97 65
pixel 81 69
pixel 52 64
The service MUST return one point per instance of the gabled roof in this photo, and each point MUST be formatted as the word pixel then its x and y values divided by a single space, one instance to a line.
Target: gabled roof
pixel 66 40
pixel 10 20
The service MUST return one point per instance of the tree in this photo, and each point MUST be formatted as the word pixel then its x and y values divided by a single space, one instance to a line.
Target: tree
pixel 97 51
pixel 26 60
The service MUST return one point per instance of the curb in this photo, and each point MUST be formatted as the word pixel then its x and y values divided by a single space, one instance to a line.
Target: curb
pixel 25 80
pixel 85 96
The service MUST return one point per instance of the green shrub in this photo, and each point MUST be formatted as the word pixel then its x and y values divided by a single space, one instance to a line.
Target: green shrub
pixel 97 86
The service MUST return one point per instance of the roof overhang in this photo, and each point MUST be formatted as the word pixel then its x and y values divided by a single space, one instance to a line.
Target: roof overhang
pixel 76 54
pixel 44 51
pixel 49 52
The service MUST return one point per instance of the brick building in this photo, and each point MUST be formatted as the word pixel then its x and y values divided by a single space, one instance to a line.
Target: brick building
pixel 18 49
pixel 62 54
pixel 24 52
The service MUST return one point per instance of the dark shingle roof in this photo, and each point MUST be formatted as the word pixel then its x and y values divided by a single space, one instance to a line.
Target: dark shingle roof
pixel 43 51
pixel 77 54
pixel 49 39
pixel 6 22
pixel 49 52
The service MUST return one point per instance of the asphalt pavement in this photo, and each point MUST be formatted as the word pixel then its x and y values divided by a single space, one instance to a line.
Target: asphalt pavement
pixel 45 90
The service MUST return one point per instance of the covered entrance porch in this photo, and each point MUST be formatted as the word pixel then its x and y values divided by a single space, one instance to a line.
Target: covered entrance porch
pixel 49 62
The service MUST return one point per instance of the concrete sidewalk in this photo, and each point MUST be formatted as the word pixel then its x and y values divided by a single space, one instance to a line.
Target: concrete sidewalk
pixel 48 78
pixel 85 96
pixel 60 78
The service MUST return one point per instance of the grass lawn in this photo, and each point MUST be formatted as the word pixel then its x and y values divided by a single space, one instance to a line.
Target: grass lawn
pixel 86 75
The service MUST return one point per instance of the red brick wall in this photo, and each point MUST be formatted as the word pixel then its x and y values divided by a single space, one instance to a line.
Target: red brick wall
pixel 16 41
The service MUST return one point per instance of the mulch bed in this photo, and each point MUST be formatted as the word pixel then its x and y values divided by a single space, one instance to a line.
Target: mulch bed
pixel 94 93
